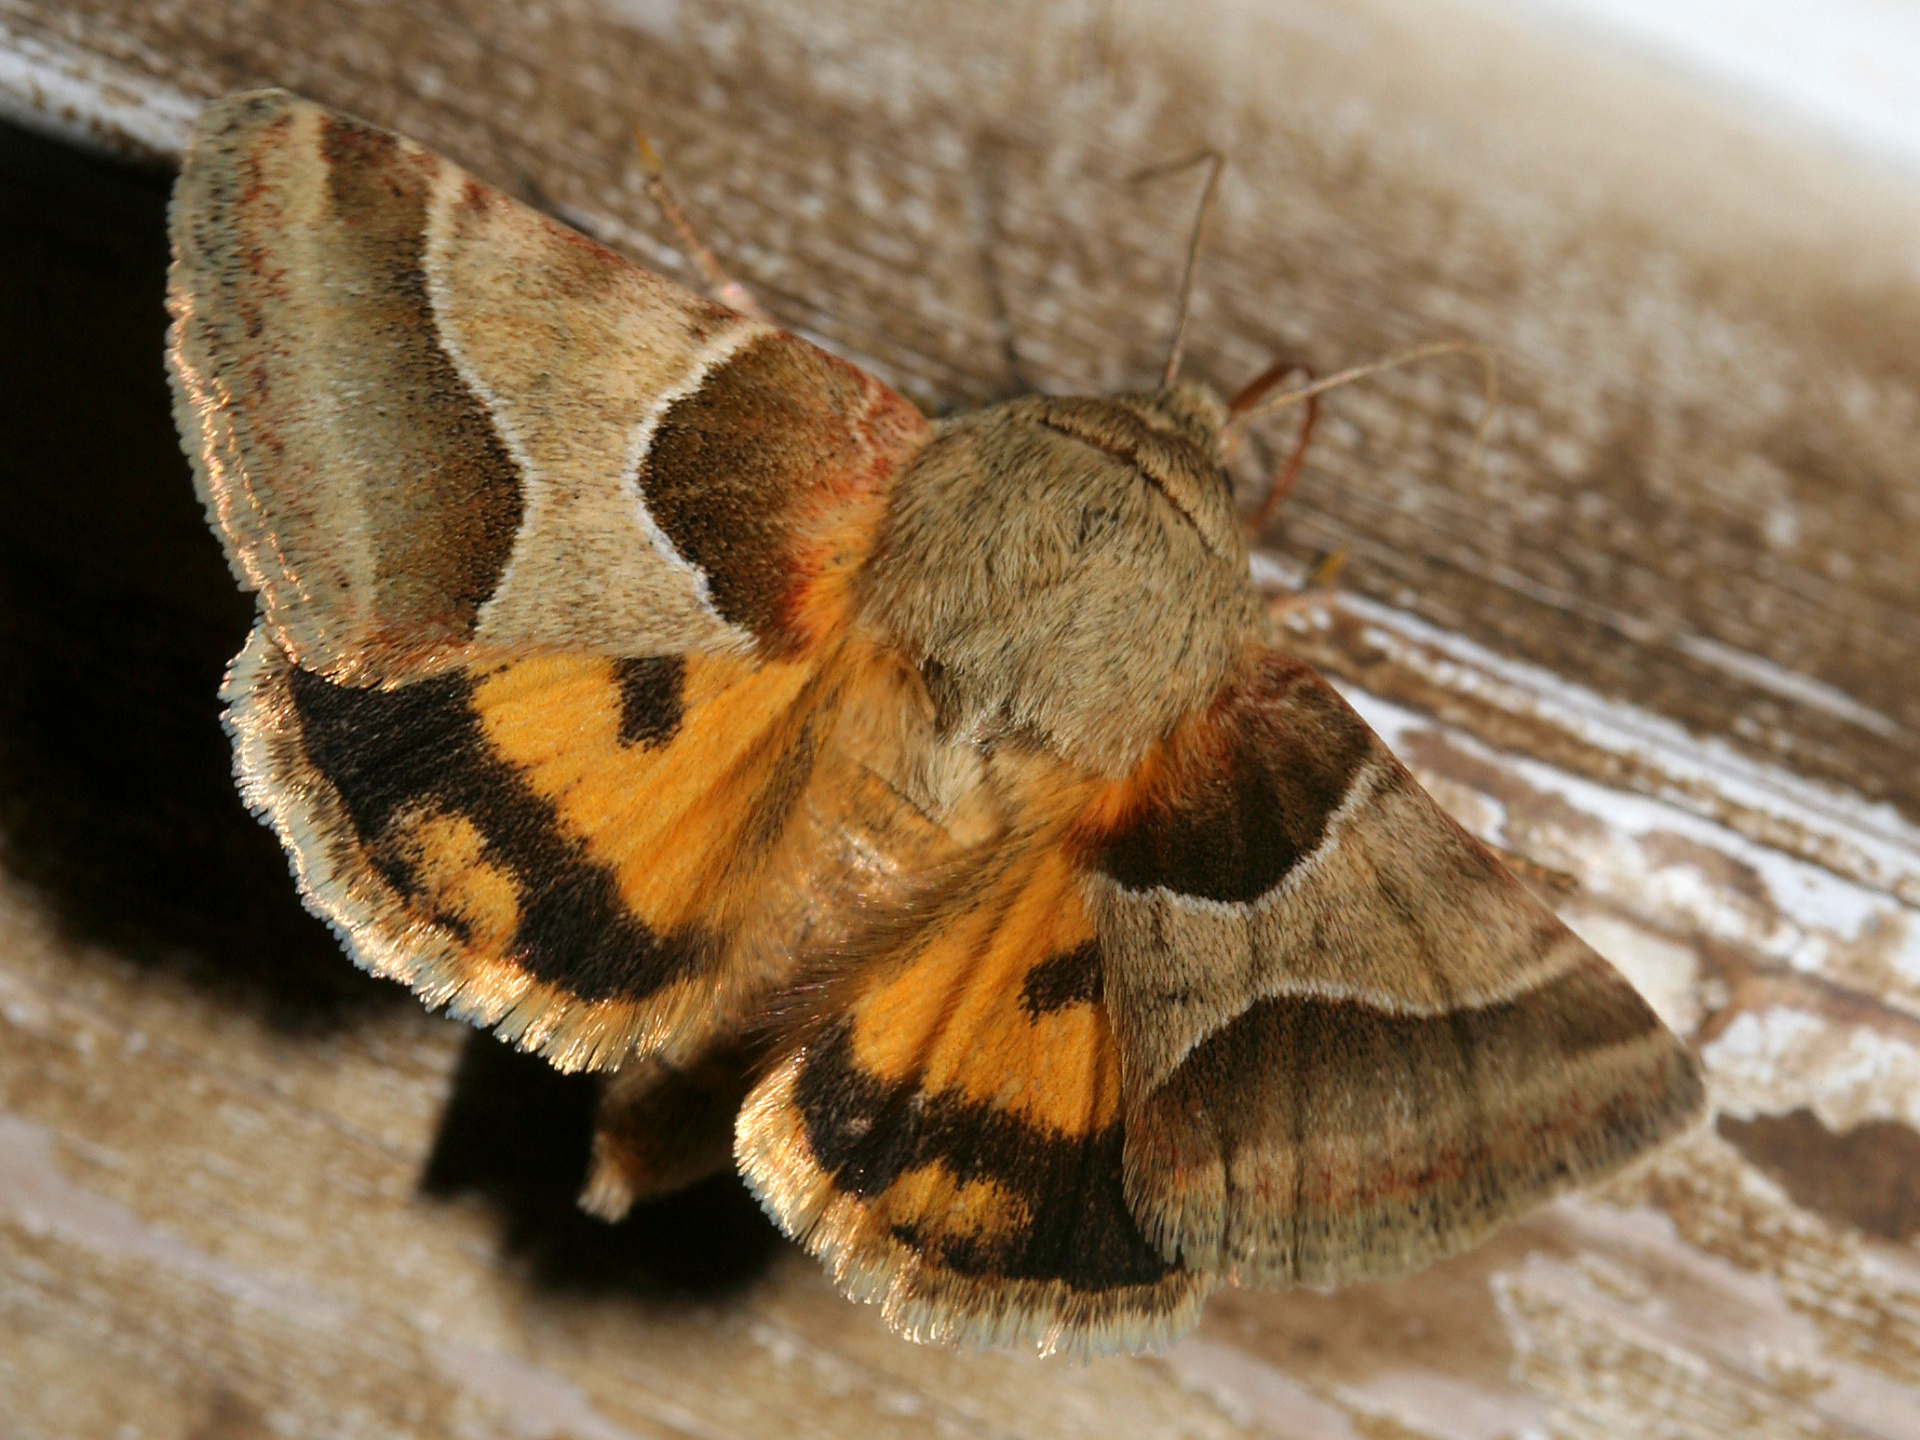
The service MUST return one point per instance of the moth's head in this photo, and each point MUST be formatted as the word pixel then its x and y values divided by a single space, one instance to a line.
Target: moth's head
pixel 1168 439
pixel 1069 569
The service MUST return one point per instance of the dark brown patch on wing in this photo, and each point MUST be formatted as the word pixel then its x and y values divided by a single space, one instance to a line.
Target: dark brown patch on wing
pixel 450 504
pixel 650 698
pixel 1323 1140
pixel 1072 1223
pixel 732 466
pixel 394 754
pixel 1069 978
pixel 1252 795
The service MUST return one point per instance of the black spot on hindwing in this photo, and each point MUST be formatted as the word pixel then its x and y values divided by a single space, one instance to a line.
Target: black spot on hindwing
pixel 650 698
pixel 395 753
pixel 1070 978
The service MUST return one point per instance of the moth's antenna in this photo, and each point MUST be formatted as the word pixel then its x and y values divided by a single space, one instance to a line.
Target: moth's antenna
pixel 1263 391
pixel 1215 162
pixel 722 286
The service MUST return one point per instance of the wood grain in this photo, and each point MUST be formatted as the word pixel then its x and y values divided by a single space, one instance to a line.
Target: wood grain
pixel 1659 639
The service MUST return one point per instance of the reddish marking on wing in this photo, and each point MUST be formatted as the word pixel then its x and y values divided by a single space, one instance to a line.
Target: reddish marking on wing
pixel 836 519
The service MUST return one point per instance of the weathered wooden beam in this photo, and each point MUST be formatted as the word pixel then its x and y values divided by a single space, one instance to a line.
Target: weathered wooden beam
pixel 1659 640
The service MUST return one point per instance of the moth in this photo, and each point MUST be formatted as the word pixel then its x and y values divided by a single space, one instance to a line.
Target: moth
pixel 919 815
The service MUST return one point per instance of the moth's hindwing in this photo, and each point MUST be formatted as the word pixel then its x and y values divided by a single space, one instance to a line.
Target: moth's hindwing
pixel 950 1142
pixel 567 847
pixel 1352 1043
pixel 428 421
pixel 603 857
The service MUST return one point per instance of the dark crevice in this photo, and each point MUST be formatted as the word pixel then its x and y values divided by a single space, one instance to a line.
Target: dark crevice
pixel 519 1134
pixel 118 615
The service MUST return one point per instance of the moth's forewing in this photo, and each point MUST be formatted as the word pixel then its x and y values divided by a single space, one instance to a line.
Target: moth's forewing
pixel 426 418
pixel 1353 1043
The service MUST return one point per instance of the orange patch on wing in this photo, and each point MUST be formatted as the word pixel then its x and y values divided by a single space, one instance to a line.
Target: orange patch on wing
pixel 954 1018
pixel 446 858
pixel 666 819
pixel 840 511
pixel 933 1199
pixel 826 556
pixel 1115 804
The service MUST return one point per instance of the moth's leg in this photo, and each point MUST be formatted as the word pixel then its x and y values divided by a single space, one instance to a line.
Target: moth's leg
pixel 722 286
pixel 662 1127
pixel 1314 590
pixel 1289 471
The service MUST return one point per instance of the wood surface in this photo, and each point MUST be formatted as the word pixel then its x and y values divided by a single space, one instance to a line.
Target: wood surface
pixel 1660 640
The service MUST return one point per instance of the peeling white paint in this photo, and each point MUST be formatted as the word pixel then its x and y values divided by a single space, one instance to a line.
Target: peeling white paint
pixel 1734 1349
pixel 1866 842
pixel 1780 1059
pixel 1788 684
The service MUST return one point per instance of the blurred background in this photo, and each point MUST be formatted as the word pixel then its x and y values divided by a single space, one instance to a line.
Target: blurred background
pixel 1846 68
pixel 1659 640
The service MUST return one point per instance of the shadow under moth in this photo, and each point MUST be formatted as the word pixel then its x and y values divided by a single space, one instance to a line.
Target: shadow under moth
pixel 919 815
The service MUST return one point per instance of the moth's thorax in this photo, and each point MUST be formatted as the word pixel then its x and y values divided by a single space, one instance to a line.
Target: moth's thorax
pixel 1070 569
